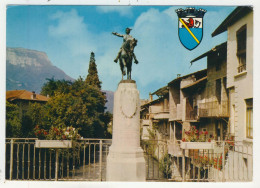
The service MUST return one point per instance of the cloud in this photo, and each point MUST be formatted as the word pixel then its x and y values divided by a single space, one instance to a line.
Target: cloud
pixel 69 24
pixel 157 47
pixel 158 51
pixel 122 10
pixel 70 29
pixel 161 55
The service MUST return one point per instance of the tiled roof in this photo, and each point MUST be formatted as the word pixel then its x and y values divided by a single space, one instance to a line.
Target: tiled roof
pixel 24 95
pixel 200 72
pixel 162 91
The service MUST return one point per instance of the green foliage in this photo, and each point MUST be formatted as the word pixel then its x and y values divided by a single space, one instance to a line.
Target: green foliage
pixel 152 134
pixel 165 166
pixel 52 86
pixel 79 104
pixel 92 78
pixel 13 122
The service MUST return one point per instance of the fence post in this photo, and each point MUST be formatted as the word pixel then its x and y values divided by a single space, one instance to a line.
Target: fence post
pixel 11 159
pixel 183 165
pixel 223 162
pixel 100 159
pixel 56 165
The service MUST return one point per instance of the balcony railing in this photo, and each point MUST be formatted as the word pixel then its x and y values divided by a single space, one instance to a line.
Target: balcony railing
pixel 158 109
pixel 241 68
pixel 159 112
pixel 192 114
pixel 213 109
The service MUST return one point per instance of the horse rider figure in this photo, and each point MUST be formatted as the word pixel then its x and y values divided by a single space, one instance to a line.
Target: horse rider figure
pixel 126 37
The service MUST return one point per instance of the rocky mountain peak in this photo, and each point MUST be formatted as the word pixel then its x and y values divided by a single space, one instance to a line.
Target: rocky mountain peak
pixel 25 57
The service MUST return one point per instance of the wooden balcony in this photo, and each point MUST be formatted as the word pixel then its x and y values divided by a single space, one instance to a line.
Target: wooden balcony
pixel 159 112
pixel 192 114
pixel 214 109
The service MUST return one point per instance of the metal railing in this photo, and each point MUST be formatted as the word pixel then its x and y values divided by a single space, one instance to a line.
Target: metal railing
pixel 154 152
pixel 227 162
pixel 165 161
pixel 85 161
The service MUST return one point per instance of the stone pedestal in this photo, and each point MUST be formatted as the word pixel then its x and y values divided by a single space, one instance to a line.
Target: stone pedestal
pixel 125 161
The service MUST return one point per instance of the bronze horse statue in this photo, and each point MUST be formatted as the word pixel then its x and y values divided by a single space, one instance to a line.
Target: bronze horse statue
pixel 126 57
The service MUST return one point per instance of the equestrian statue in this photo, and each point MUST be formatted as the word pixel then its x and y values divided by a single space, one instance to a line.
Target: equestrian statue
pixel 126 53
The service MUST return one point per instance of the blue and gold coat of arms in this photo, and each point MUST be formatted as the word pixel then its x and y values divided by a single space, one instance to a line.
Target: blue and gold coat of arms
pixel 190 27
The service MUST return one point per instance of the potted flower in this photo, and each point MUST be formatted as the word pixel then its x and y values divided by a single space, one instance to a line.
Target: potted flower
pixel 56 137
pixel 196 140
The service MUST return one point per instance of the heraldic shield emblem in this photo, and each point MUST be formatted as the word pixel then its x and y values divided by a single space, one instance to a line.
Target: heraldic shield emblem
pixel 190 27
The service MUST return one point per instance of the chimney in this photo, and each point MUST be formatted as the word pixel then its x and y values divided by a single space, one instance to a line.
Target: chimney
pixel 33 96
pixel 150 97
pixel 178 75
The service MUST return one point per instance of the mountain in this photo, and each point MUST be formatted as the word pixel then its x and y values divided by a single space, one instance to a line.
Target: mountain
pixel 110 101
pixel 28 69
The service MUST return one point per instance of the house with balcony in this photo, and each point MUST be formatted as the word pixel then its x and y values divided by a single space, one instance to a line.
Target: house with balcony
pixel 239 26
pixel 185 93
pixel 213 111
pixel 155 115
pixel 239 83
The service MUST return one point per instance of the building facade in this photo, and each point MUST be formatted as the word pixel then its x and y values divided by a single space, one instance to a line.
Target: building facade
pixel 22 98
pixel 217 102
pixel 239 27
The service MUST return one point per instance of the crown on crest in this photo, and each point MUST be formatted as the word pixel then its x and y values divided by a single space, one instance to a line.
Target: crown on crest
pixel 190 12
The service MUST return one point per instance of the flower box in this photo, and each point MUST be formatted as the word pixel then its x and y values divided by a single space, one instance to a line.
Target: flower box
pixel 197 145
pixel 53 143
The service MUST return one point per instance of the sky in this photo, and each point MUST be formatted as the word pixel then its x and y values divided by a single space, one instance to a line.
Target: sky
pixel 68 34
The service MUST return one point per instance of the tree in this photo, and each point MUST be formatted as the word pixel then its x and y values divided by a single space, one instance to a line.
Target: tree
pixel 13 122
pixel 52 86
pixel 98 98
pixel 92 78
pixel 80 104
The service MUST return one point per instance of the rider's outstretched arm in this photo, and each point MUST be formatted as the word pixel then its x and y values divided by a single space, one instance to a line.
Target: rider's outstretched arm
pixel 117 34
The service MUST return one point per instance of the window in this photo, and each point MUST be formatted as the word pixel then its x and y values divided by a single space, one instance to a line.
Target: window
pixel 249 118
pixel 241 48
